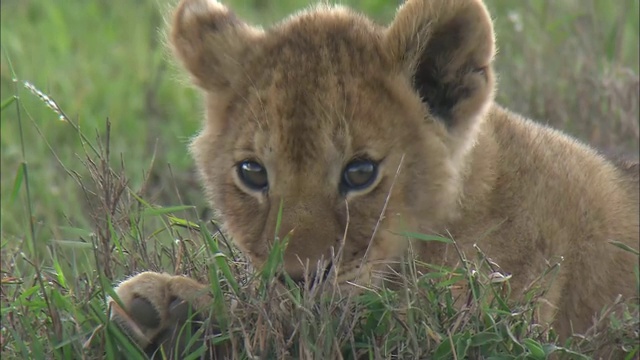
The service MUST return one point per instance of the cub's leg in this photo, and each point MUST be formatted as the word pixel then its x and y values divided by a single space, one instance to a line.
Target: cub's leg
pixel 156 307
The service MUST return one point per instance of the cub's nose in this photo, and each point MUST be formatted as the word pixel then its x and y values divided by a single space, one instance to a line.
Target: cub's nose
pixel 301 280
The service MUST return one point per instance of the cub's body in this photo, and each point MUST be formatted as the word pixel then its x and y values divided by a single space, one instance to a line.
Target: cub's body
pixel 364 133
pixel 574 204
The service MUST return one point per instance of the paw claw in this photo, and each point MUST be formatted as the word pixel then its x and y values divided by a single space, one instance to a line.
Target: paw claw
pixel 143 313
pixel 127 323
pixel 180 310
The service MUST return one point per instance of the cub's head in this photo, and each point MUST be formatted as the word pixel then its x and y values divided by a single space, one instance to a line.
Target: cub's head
pixel 359 131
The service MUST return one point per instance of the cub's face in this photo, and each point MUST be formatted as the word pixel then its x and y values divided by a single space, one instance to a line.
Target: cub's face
pixel 332 140
pixel 352 132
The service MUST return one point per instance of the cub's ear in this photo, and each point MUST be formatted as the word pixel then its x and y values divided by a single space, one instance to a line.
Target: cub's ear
pixel 212 42
pixel 446 47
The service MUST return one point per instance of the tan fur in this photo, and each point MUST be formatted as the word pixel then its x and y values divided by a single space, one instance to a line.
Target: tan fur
pixel 326 86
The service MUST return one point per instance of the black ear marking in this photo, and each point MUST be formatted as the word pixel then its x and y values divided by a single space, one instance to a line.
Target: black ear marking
pixel 440 95
pixel 447 72
pixel 446 48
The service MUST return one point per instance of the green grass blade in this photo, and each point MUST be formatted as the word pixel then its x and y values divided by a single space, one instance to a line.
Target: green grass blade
pixel 624 247
pixel 155 211
pixel 424 237
pixel 7 102
pixel 17 184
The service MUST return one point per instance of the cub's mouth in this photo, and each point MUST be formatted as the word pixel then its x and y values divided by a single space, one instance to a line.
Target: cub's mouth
pixel 348 262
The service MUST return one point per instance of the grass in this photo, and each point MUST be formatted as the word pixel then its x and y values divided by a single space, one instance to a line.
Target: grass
pixel 101 194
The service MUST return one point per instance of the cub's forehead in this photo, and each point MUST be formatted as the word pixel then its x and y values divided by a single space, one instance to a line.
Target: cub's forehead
pixel 323 40
pixel 332 114
pixel 317 75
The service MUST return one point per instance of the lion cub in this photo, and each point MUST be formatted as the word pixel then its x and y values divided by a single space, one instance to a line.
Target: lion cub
pixel 366 132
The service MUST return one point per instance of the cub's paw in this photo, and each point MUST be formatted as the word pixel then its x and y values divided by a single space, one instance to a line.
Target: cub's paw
pixel 162 312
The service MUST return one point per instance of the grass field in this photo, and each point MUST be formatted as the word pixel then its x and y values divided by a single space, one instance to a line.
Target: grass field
pixel 96 185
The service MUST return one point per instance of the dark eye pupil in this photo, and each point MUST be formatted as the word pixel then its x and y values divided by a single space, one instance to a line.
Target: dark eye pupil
pixel 359 174
pixel 253 175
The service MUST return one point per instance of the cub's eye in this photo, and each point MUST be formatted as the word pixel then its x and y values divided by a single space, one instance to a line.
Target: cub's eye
pixel 358 174
pixel 253 175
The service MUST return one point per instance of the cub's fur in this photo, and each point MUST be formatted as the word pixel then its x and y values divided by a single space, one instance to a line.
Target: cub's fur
pixel 364 132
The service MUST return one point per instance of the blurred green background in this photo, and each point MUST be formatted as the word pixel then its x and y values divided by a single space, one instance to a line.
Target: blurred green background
pixel 572 64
